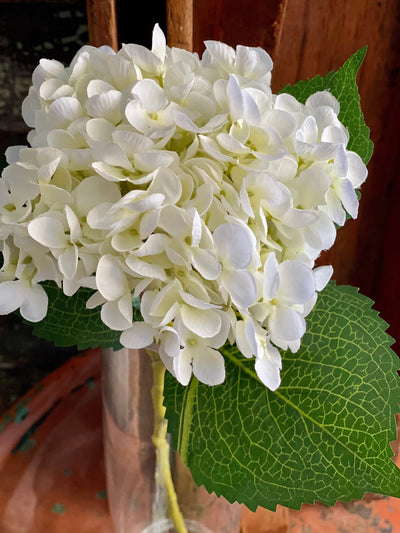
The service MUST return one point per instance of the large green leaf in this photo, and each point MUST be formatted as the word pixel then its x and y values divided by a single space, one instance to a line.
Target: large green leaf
pixel 323 435
pixel 69 323
pixel 342 84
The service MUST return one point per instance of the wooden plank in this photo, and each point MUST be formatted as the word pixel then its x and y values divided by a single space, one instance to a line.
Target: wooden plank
pixel 102 23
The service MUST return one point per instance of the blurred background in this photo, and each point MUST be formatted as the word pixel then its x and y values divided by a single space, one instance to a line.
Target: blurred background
pixel 305 38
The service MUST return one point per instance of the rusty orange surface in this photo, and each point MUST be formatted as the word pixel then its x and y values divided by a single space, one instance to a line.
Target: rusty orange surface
pixel 52 471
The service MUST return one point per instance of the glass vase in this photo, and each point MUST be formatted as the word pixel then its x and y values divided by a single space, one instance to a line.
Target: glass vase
pixel 138 502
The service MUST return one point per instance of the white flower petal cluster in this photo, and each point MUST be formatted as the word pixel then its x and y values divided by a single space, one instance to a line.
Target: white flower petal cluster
pixel 182 181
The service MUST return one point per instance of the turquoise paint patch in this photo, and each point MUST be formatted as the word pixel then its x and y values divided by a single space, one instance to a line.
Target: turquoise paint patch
pixel 68 472
pixel 101 494
pixel 21 412
pixel 58 508
pixel 23 444
pixel 27 445
pixel 90 383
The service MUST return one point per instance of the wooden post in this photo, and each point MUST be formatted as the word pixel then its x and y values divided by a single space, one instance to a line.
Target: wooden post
pixel 102 23
pixel 180 24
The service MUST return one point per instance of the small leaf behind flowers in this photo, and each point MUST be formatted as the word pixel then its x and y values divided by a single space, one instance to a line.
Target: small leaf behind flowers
pixel 342 84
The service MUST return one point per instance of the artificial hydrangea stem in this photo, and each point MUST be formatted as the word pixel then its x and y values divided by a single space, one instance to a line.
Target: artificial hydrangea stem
pixel 163 470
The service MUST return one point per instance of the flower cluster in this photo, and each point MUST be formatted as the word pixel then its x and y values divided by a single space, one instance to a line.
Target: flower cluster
pixel 182 181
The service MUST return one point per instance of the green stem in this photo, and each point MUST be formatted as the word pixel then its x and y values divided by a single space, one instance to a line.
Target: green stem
pixel 161 444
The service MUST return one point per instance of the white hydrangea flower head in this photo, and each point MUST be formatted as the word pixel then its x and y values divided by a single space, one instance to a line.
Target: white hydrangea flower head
pixel 183 181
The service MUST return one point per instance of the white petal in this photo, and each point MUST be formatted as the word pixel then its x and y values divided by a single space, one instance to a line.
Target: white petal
pixel 268 370
pixel 109 172
pixel 154 245
pixel 105 105
pixel 282 122
pixel 125 307
pixel 153 159
pixel 34 306
pixel 348 197
pixel 95 300
pixel 150 94
pixel 132 142
pixel 313 185
pixel 209 366
pixel 230 144
pixel 357 171
pixel 112 154
pixel 308 132
pixel 322 234
pixel 196 302
pixel 139 335
pixel 170 342
pixel 240 286
pixel 204 323
pixel 221 53
pixel 299 218
pixel 205 262
pixel 63 111
pixel 335 135
pixel 12 294
pixel 196 229
pixel 12 153
pixel 48 231
pixel 174 221
pixel 324 151
pixel 142 57
pixel 334 208
pixel 112 316
pixel 243 340
pixel 73 224
pixel 100 130
pixel 145 269
pixel 235 99
pixel 149 223
pixel 94 191
pixel 296 283
pixel 182 365
pixel 285 324
pixel 233 245
pixel 167 183
pixel 159 43
pixel 322 275
pixel 97 87
pixel 54 88
pixel 68 261
pixel 63 139
pixel 111 281
pixel 284 169
pixel 212 149
pixel 270 278
pixel 323 98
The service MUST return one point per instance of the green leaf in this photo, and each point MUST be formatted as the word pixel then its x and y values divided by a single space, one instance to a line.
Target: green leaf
pixel 342 84
pixel 323 435
pixel 69 323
